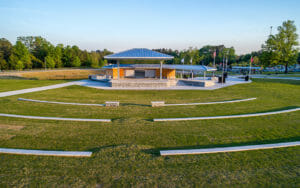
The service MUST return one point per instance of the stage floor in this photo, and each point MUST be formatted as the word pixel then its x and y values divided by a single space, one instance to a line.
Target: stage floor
pixel 106 85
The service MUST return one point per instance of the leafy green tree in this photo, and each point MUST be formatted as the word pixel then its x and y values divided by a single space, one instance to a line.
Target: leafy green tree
pixel 49 62
pixel 13 60
pixel 280 49
pixel 5 48
pixel 57 56
pixel 67 56
pixel 95 57
pixel 76 62
pixel 19 65
pixel 22 54
pixel 3 64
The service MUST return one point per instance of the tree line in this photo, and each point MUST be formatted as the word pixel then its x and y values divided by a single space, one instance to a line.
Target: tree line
pixel 36 52
pixel 279 49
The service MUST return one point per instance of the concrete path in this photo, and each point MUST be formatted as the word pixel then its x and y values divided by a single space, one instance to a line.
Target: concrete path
pixel 219 102
pixel 46 153
pixel 102 85
pixel 227 117
pixel 54 102
pixel 228 149
pixel 54 118
pixel 22 91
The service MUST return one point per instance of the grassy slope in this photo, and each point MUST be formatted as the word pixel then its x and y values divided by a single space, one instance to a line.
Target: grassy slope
pixel 12 84
pixel 126 149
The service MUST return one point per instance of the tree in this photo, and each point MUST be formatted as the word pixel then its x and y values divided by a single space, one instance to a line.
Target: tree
pixel 22 53
pixel 280 49
pixel 49 62
pixel 3 64
pixel 13 60
pixel 76 62
pixel 95 57
pixel 5 49
pixel 19 65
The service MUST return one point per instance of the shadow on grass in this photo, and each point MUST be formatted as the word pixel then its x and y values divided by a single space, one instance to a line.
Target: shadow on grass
pixel 281 81
pixel 98 149
pixel 17 78
pixel 133 104
pixel 155 152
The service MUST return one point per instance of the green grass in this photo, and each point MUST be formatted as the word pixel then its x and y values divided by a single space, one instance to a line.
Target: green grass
pixel 126 150
pixel 13 84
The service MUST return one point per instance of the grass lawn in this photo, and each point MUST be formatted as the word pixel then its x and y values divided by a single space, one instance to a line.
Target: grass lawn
pixel 13 84
pixel 126 150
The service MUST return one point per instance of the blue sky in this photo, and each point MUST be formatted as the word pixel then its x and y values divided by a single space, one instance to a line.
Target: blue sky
pixel 123 24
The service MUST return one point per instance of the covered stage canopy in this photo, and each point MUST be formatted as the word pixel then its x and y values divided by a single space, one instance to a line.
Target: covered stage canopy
pixel 196 68
pixel 139 54
pixel 139 69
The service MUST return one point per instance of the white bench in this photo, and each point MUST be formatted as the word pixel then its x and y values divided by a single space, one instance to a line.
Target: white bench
pixel 112 103
pixel 157 103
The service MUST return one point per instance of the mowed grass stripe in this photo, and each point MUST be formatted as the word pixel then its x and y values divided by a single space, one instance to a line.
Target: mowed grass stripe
pixel 217 102
pixel 227 117
pixel 54 102
pixel 54 118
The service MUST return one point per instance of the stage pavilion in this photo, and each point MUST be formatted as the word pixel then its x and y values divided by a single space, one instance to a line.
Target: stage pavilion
pixel 141 67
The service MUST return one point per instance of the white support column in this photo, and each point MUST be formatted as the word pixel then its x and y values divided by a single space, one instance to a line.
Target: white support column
pixel 192 75
pixel 204 75
pixel 160 70
pixel 118 63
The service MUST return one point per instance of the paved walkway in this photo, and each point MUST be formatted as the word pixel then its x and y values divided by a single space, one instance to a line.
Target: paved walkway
pixel 54 118
pixel 46 153
pixel 227 117
pixel 54 102
pixel 228 149
pixel 22 91
pixel 232 80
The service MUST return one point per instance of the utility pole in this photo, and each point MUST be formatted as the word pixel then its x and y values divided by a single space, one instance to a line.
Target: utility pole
pixel 214 65
pixel 223 68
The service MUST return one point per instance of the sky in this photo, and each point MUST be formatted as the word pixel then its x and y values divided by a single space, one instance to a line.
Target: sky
pixel 123 24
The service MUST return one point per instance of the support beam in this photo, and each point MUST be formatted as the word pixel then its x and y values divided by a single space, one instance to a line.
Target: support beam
pixel 160 70
pixel 118 63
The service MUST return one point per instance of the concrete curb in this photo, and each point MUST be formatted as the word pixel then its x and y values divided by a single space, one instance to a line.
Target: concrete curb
pixel 228 149
pixel 54 118
pixel 47 153
pixel 218 102
pixel 227 117
pixel 54 102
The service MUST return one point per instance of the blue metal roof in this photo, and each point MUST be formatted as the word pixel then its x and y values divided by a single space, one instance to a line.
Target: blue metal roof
pixel 199 68
pixel 140 54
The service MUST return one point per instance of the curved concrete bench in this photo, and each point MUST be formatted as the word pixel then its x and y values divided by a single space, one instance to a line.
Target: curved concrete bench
pixel 228 149
pixel 46 153
pixel 227 117
pixel 218 102
pixel 54 102
pixel 54 118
